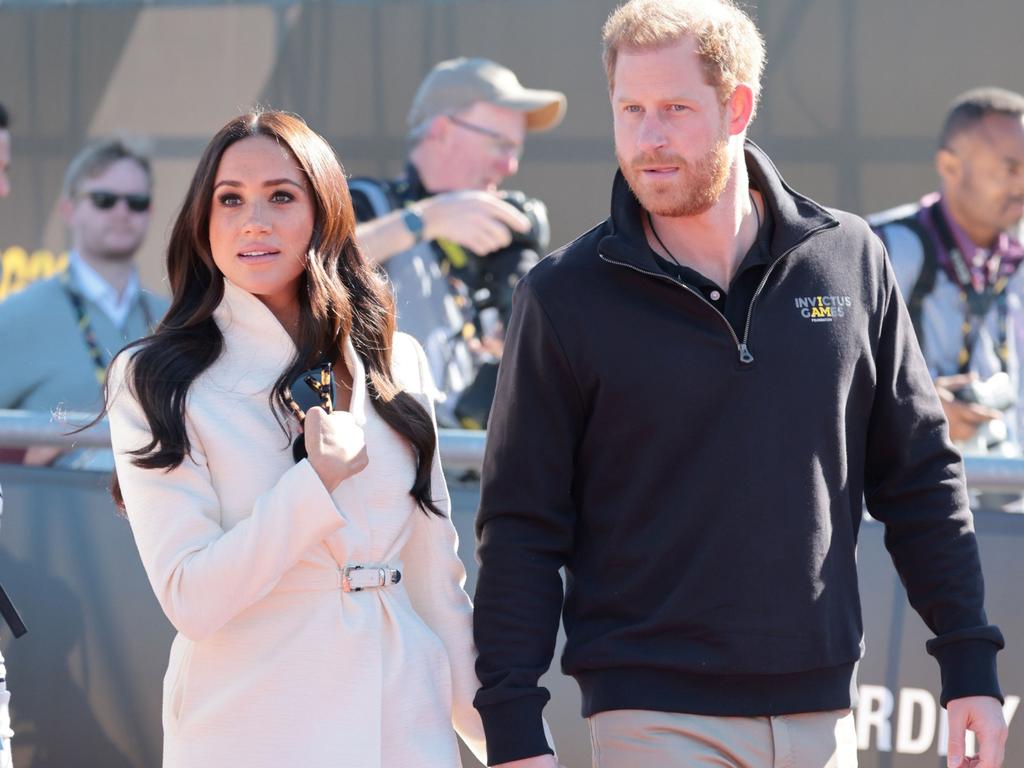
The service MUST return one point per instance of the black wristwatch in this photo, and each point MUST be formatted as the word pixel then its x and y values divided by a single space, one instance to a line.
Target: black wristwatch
pixel 414 223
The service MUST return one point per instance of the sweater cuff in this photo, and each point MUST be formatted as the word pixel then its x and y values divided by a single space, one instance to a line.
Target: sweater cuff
pixel 515 729
pixel 968 665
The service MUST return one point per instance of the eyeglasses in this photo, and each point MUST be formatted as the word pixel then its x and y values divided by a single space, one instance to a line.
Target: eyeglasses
pixel 104 200
pixel 502 145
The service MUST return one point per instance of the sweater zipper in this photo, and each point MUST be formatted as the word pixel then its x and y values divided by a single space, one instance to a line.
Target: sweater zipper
pixel 746 357
pixel 741 346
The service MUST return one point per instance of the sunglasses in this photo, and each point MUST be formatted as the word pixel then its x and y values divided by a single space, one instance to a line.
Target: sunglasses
pixel 310 389
pixel 104 200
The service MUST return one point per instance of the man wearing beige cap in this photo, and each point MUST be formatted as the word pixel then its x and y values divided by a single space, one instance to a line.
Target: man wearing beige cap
pixel 453 244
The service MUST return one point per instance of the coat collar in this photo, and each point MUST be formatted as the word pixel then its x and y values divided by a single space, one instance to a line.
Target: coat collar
pixel 795 217
pixel 257 348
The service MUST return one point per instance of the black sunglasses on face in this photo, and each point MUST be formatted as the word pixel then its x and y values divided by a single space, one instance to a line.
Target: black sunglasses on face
pixel 104 200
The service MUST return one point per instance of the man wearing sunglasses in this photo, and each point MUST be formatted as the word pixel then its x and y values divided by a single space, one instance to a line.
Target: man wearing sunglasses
pixel 60 333
pixel 453 244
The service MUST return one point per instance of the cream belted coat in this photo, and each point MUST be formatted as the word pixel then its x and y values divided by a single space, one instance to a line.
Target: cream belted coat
pixel 273 664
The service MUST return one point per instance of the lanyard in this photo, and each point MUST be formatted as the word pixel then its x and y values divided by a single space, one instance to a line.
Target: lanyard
pixel 977 296
pixel 84 323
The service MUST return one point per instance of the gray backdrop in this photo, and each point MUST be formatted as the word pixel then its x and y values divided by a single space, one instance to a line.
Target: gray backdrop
pixel 854 89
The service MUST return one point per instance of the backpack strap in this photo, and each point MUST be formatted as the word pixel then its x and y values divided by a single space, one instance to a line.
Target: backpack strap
pixel 925 282
pixel 377 193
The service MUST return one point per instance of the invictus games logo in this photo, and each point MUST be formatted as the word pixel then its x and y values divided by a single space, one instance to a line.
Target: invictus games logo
pixel 823 309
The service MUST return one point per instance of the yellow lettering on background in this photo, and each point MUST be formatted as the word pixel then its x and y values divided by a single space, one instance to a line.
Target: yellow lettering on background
pixel 18 269
pixel 14 262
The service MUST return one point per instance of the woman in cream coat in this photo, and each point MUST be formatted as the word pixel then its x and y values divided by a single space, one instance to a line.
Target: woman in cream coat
pixel 319 604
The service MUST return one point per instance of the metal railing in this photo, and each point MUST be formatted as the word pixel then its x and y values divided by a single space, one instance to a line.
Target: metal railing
pixel 462 450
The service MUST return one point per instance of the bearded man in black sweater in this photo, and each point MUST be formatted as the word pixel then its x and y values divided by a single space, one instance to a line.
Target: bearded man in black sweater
pixel 696 398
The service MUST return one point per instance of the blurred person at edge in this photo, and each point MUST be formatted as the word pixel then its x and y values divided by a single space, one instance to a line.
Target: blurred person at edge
pixel 307 561
pixel 5 152
pixel 61 333
pixel 957 255
pixel 5 697
pixel 453 244
pixel 710 599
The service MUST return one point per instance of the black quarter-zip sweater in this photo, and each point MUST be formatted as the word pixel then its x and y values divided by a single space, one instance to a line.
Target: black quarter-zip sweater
pixel 703 488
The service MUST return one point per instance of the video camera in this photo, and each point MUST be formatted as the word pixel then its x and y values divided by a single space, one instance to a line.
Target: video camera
pixel 539 236
pixel 489 281
pixel 490 278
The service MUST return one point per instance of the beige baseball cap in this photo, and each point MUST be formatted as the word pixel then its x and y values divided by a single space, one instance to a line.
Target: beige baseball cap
pixel 456 84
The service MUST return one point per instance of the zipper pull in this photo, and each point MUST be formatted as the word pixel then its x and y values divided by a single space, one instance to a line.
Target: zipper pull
pixel 745 356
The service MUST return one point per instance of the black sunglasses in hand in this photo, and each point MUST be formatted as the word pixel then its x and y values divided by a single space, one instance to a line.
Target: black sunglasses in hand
pixel 104 200
pixel 311 388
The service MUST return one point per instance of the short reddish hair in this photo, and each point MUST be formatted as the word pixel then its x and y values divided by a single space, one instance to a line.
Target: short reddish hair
pixel 729 44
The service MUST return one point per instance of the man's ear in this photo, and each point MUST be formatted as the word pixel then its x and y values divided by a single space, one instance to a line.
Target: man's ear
pixel 438 128
pixel 66 208
pixel 740 109
pixel 949 166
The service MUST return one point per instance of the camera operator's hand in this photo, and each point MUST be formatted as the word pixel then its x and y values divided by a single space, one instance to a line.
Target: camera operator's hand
pixel 964 418
pixel 335 444
pixel 475 220
pixel 489 345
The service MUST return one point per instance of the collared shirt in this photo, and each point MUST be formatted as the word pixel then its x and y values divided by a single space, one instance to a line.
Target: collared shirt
pixel 103 294
pixel 735 302
pixel 1007 249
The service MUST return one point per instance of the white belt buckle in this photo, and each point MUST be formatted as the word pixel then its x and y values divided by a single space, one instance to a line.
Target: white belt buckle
pixel 356 578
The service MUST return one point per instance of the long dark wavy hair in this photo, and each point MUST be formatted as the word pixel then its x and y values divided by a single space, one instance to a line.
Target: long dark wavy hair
pixel 340 296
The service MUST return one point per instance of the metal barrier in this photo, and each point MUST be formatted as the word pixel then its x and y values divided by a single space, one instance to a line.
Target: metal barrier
pixel 462 450
pixel 86 680
pixel 22 429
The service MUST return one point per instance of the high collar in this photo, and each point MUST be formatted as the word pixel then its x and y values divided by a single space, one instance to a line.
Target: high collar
pixel 257 348
pixel 795 217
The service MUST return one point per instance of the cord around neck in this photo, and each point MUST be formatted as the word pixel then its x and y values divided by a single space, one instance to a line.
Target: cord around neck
pixel 650 223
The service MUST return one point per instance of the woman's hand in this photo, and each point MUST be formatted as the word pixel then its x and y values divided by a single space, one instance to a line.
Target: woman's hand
pixel 335 445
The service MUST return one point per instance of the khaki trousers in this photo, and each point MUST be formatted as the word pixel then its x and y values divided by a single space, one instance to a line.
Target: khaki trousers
pixel 630 738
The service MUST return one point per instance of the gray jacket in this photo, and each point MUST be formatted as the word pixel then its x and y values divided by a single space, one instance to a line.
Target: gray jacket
pixel 43 356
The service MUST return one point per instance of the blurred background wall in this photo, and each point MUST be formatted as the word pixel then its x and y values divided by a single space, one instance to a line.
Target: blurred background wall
pixel 854 91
